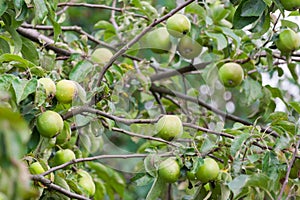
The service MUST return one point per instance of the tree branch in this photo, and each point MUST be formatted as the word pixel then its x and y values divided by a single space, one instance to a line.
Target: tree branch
pixel 137 38
pixel 50 185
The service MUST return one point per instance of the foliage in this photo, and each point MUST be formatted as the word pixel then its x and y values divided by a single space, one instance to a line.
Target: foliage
pixel 251 130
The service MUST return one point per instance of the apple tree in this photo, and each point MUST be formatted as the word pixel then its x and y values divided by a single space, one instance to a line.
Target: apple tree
pixel 149 99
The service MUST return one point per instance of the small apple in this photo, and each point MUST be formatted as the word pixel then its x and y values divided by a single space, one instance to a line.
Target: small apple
pixel 169 170
pixel 168 127
pixel 49 124
pixel 231 74
pixel 66 91
pixel 188 48
pixel 85 181
pixel 48 85
pixel 288 41
pixel 36 168
pixel 158 40
pixel 209 171
pixel 178 25
pixel 101 56
pixel 62 156
pixel 290 4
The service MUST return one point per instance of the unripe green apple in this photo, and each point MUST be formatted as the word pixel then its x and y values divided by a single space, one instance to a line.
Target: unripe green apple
pixel 178 25
pixel 48 85
pixel 158 40
pixel 168 127
pixel 169 170
pixel 290 4
pixel 101 56
pixel 86 182
pixel 288 41
pixel 49 124
pixel 208 171
pixel 189 48
pixel 66 91
pixel 231 74
pixel 62 156
pixel 36 168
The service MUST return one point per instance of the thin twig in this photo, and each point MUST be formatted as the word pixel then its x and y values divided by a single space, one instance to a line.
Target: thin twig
pixel 52 186
pixel 137 38
pixel 286 180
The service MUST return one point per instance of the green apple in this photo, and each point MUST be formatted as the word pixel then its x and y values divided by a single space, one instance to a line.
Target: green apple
pixel 178 25
pixel 66 91
pixel 85 181
pixel 36 168
pixel 49 124
pixel 62 156
pixel 288 41
pixel 101 56
pixel 169 170
pixel 208 171
pixel 49 86
pixel 290 4
pixel 158 40
pixel 168 127
pixel 231 74
pixel 189 48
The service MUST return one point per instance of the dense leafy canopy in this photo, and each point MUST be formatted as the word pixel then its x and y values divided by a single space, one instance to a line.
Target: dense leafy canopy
pixel 125 71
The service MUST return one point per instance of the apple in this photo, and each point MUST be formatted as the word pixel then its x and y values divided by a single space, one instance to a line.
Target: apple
pixel 36 168
pixel 85 181
pixel 209 171
pixel 158 40
pixel 178 25
pixel 169 170
pixel 288 41
pixel 101 56
pixel 290 4
pixel 189 48
pixel 66 91
pixel 62 156
pixel 49 86
pixel 168 127
pixel 231 74
pixel 49 124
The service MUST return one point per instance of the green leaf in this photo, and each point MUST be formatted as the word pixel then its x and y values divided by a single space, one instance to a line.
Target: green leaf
pixel 3 7
pixel 100 189
pixel 102 24
pixel 293 69
pixel 12 57
pixel 4 46
pixel 81 70
pixel 157 187
pixel 253 8
pixel 195 8
pixel 252 90
pixel 29 51
pixel 238 143
pixel 290 24
pixel 229 33
pixel 23 88
pixel 295 106
pixel 40 9
pixel 240 21
pixel 237 184
pixel 220 40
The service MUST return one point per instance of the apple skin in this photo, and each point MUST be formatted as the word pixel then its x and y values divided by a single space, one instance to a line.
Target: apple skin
pixel 288 41
pixel 66 91
pixel 86 182
pixel 290 5
pixel 159 40
pixel 231 74
pixel 48 85
pixel 169 170
pixel 168 127
pixel 36 168
pixel 208 171
pixel 62 156
pixel 189 48
pixel 101 56
pixel 49 124
pixel 178 25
